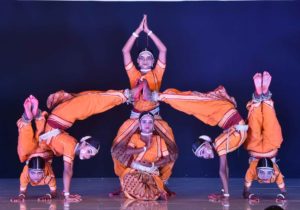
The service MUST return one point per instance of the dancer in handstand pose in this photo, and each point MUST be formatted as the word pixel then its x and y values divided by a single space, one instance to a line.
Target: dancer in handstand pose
pixel 264 139
pixel 38 169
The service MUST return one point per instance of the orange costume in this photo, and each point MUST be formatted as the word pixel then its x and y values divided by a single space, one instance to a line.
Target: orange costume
pixel 264 139
pixel 251 175
pixel 264 134
pixel 136 181
pixel 49 178
pixel 212 108
pixel 130 126
pixel 28 147
pixel 76 107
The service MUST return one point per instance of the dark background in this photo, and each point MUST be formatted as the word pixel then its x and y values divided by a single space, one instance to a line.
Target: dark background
pixel 76 46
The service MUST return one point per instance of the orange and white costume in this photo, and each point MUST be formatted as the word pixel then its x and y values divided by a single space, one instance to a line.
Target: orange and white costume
pixel 264 139
pixel 212 108
pixel 28 147
pixel 137 183
pixel 130 126
pixel 76 107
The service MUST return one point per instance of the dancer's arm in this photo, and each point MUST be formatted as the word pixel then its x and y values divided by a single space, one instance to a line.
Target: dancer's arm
pixel 128 46
pixel 158 43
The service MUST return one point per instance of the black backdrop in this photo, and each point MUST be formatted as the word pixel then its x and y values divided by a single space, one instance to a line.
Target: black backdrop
pixel 76 46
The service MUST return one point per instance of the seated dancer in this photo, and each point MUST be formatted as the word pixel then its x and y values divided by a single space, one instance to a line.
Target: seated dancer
pixel 212 108
pixel 153 76
pixel 148 152
pixel 67 108
pixel 38 169
pixel 264 139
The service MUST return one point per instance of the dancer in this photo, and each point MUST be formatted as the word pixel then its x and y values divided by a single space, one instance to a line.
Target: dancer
pixel 38 169
pixel 143 179
pixel 67 108
pixel 146 75
pixel 213 108
pixel 264 139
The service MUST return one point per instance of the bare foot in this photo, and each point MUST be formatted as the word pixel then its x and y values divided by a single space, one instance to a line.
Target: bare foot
pixel 35 105
pixel 146 91
pixel 27 108
pixel 257 78
pixel 266 81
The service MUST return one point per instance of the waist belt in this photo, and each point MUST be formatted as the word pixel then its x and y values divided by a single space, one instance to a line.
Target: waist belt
pixel 139 167
pixel 49 135
pixel 135 114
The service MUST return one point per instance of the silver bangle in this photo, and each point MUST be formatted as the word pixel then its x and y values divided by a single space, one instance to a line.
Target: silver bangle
pixel 226 195
pixel 149 33
pixel 135 35
pixel 66 194
pixel 48 194
pixel 22 194
pixel 144 148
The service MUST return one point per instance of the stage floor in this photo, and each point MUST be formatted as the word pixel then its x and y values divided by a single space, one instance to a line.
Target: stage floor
pixel 191 194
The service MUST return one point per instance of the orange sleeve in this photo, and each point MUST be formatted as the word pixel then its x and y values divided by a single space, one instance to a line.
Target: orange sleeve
pixel 250 174
pixel 52 181
pixel 132 143
pixel 159 70
pixel 279 179
pixel 133 74
pixel 69 151
pixel 24 179
pixel 164 148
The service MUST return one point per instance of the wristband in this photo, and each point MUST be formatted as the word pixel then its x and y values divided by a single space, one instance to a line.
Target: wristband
pixel 135 35
pixel 149 33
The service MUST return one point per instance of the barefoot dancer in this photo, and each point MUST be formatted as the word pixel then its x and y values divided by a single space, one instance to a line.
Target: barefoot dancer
pixel 67 108
pixel 213 108
pixel 38 169
pixel 148 152
pixel 264 139
pixel 142 103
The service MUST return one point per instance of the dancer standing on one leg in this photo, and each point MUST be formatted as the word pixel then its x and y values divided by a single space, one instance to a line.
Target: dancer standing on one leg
pixel 264 139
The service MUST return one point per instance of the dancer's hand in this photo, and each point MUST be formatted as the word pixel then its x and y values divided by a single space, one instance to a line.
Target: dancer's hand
pixel 73 198
pixel 146 27
pixel 18 199
pixel 141 26
pixel 45 198
pixel 253 199
pixel 215 197
pixel 280 198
